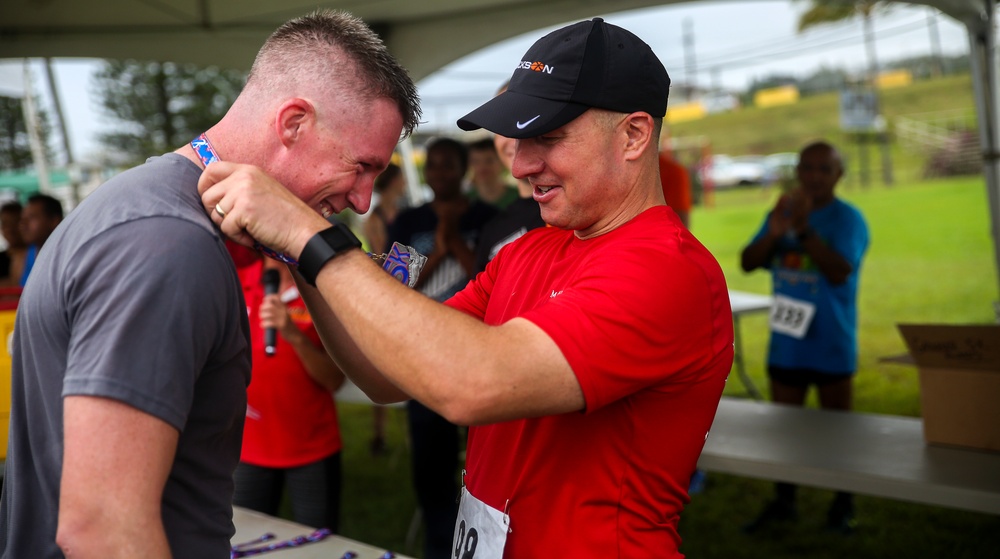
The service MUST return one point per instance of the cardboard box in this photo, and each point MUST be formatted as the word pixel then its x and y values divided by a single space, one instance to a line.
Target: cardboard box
pixel 959 369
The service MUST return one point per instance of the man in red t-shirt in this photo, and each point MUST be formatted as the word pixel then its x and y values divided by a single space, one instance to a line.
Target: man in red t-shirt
pixel 676 182
pixel 589 357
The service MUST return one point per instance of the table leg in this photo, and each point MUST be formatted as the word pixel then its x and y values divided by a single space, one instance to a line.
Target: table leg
pixel 741 369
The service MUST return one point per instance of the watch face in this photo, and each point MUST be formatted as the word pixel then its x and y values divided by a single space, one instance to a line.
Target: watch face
pixel 323 247
pixel 340 237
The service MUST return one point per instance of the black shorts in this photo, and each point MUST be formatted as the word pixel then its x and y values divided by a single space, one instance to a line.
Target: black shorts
pixel 802 378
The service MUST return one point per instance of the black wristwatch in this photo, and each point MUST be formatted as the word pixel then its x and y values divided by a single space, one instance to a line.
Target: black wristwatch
pixel 323 247
pixel 805 234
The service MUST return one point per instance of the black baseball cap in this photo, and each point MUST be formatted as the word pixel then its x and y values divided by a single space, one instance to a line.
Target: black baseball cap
pixel 584 65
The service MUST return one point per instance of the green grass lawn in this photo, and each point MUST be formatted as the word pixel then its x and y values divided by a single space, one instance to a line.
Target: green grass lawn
pixel 930 260
pixel 787 128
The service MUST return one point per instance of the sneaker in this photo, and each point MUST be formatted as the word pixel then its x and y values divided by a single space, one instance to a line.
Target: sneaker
pixel 840 519
pixel 775 512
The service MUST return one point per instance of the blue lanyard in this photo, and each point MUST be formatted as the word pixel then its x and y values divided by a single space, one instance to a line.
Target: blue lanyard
pixel 206 153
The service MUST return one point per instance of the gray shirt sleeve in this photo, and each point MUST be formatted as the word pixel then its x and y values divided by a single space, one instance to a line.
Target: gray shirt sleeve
pixel 145 304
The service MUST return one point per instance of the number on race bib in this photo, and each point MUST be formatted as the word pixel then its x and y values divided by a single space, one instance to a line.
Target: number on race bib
pixel 465 547
pixel 480 530
pixel 791 316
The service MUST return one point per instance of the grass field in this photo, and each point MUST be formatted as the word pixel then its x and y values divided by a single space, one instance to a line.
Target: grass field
pixel 930 261
pixel 786 128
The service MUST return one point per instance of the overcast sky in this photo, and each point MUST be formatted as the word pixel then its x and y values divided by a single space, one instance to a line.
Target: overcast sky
pixel 734 42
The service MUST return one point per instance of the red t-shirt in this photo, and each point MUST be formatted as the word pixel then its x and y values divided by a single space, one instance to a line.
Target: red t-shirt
pixel 676 183
pixel 642 315
pixel 291 420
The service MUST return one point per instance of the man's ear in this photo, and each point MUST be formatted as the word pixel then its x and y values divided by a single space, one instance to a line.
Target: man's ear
pixel 639 128
pixel 292 119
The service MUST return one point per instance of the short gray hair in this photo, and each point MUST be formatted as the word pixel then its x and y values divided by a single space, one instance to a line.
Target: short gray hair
pixel 610 119
pixel 340 51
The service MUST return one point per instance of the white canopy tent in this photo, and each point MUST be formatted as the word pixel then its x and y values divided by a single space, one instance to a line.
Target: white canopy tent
pixel 424 36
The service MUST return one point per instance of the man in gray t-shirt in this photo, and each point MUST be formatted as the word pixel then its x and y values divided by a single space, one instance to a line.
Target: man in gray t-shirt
pixel 131 355
pixel 136 300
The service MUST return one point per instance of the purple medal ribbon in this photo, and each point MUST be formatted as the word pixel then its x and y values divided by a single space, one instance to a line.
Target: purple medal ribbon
pixel 206 153
pixel 246 549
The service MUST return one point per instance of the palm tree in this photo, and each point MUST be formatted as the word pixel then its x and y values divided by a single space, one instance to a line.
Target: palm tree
pixel 821 12
pixel 830 11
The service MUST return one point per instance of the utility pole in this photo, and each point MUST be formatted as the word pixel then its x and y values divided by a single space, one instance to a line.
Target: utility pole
pixel 64 132
pixel 690 65
pixel 34 136
pixel 880 133
pixel 936 58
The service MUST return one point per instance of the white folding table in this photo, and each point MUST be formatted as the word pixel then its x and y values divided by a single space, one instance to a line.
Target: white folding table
pixel 872 454
pixel 745 303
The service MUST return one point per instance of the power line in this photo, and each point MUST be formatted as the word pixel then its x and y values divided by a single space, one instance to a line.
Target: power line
pixel 794 45
pixel 754 59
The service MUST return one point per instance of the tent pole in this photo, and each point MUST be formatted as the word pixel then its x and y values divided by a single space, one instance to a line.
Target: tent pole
pixel 32 125
pixel 982 42
pixel 413 192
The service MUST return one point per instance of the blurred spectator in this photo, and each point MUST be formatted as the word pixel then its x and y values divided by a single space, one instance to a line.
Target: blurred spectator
pixel 489 180
pixel 676 184
pixel 291 438
pixel 812 242
pixel 13 259
pixel 39 219
pixel 391 188
pixel 521 216
pixel 446 230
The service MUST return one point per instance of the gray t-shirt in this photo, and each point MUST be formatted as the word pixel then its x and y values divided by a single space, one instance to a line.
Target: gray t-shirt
pixel 135 298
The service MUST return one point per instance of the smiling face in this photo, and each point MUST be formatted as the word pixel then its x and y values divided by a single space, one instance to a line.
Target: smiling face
pixel 333 162
pixel 578 174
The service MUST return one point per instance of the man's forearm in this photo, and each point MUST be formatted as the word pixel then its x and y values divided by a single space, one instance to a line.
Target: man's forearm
pixel 95 539
pixel 461 368
pixel 834 267
pixel 344 351
pixel 758 253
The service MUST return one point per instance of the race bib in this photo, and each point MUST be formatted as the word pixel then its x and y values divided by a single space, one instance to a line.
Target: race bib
pixel 791 317
pixel 480 531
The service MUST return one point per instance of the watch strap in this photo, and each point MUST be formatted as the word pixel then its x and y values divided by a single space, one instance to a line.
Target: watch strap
pixel 323 247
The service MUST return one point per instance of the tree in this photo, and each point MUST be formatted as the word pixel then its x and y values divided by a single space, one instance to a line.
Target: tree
pixel 829 11
pixel 161 106
pixel 15 147
pixel 822 12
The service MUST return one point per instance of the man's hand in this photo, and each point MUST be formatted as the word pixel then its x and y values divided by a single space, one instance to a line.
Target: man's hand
pixel 249 205
pixel 447 232
pixel 799 206
pixel 780 220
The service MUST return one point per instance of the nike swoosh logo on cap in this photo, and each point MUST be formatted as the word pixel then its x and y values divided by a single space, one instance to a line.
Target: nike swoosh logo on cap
pixel 522 126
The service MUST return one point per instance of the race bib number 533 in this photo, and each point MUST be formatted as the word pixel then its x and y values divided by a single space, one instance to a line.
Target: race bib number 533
pixel 791 317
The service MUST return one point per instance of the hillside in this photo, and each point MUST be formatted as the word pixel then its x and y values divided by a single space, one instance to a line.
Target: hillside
pixel 754 130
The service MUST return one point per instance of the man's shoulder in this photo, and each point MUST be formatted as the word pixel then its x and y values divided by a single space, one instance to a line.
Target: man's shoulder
pixel 842 205
pixel 847 213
